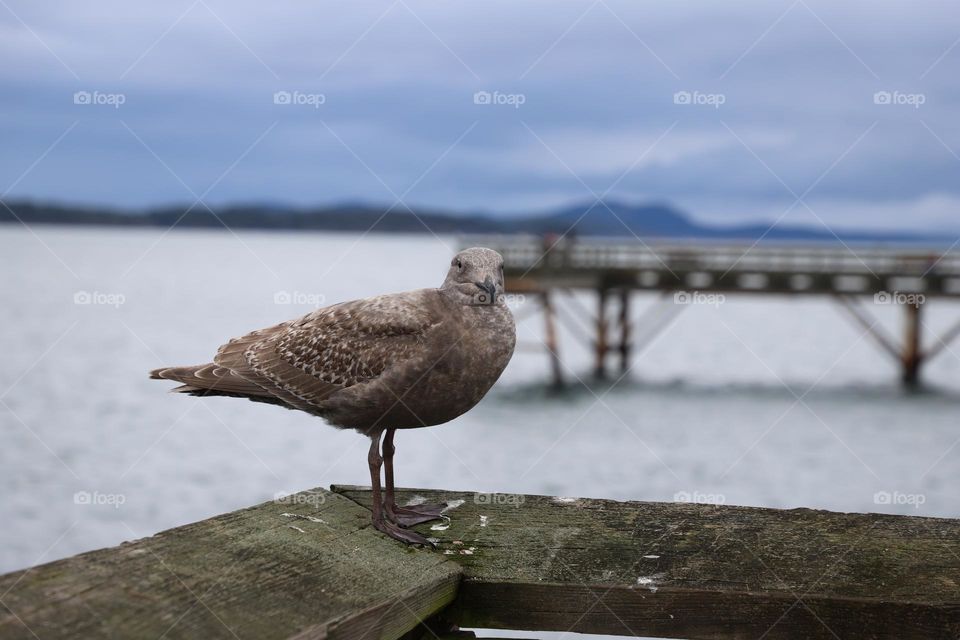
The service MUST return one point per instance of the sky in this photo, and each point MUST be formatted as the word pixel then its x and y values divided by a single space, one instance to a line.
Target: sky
pixel 838 114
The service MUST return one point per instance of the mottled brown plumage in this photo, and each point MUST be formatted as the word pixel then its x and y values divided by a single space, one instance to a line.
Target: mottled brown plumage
pixel 397 361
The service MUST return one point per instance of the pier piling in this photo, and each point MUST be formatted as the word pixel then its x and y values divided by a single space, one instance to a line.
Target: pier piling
pixel 601 346
pixel 912 345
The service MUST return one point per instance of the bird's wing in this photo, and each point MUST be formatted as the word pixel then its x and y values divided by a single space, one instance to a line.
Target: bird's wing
pixel 305 360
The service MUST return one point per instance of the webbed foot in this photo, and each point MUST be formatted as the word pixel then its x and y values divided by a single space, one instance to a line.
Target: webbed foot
pixel 415 514
pixel 403 535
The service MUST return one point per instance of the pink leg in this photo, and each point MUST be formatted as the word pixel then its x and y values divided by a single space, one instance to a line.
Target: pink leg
pixel 403 516
pixel 375 461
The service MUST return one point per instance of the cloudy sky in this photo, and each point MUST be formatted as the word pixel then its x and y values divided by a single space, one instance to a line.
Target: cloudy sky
pixel 810 112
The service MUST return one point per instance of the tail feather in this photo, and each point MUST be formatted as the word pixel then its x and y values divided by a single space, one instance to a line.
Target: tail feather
pixel 202 392
pixel 172 373
pixel 208 379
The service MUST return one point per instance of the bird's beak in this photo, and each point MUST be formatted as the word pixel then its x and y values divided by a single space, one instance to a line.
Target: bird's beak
pixel 490 288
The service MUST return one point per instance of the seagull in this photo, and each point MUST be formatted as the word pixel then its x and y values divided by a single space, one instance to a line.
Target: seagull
pixel 397 361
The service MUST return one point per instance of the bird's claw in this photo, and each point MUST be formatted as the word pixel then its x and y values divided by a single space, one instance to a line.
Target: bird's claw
pixel 403 535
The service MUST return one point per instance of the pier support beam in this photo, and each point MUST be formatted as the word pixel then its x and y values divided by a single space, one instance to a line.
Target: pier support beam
pixel 624 322
pixel 909 353
pixel 912 355
pixel 600 368
pixel 550 336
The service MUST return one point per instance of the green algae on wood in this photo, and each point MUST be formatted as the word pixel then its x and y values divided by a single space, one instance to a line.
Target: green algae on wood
pixel 695 571
pixel 308 566
pixel 311 566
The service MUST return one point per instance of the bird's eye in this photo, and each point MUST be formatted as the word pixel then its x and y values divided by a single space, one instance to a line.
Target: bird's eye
pixel 459 265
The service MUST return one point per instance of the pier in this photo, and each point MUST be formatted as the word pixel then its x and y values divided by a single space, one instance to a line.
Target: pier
pixel 552 270
pixel 310 565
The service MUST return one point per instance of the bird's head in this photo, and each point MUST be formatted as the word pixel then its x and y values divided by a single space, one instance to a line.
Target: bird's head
pixel 476 277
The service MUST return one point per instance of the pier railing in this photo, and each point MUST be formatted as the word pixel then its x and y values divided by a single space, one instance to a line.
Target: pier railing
pixel 528 252
pixel 311 566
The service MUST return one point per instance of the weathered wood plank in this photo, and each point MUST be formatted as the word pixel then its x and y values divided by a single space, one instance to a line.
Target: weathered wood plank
pixel 696 571
pixel 322 572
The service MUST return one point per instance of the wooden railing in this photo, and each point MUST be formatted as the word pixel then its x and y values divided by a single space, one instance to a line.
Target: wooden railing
pixel 311 566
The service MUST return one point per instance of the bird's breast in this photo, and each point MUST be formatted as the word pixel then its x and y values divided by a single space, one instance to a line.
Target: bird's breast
pixel 462 360
pixel 476 355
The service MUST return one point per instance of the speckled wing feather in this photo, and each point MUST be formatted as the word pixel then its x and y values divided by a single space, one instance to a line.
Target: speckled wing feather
pixel 304 361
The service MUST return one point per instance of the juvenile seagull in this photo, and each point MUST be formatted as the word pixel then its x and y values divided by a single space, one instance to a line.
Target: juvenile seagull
pixel 397 361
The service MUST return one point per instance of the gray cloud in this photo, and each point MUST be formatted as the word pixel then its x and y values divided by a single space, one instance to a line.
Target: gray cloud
pixel 597 81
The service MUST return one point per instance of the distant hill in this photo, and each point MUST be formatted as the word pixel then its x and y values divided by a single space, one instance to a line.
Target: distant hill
pixel 610 218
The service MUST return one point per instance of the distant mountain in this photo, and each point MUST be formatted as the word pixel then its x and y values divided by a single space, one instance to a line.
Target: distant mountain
pixel 612 218
pixel 607 218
